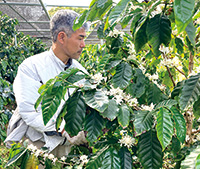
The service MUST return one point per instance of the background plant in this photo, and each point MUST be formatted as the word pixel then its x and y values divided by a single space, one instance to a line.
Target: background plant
pixel 14 48
pixel 140 102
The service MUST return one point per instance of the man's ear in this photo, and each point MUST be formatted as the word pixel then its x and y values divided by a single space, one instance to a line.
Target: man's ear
pixel 61 36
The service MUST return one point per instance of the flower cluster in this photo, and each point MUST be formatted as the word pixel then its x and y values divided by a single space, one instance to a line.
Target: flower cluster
pixel 127 141
pixel 119 96
pixel 171 62
pixel 115 33
pixel 37 152
pixel 132 53
pixel 152 77
pixel 98 78
pixel 149 108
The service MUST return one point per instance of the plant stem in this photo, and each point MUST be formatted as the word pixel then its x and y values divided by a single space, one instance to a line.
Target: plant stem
pixel 191 62
pixel 170 75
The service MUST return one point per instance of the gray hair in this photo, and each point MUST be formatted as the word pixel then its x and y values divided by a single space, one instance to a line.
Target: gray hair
pixel 63 20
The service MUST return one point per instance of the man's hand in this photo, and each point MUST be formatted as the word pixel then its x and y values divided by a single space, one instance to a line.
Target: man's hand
pixel 76 140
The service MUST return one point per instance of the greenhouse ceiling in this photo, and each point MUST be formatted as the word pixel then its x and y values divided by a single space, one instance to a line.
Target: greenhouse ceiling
pixel 34 19
pixel 32 16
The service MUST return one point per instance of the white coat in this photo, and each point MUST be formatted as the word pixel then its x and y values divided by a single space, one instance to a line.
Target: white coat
pixel 26 121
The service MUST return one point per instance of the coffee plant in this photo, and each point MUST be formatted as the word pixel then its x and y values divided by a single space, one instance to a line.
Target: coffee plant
pixel 139 103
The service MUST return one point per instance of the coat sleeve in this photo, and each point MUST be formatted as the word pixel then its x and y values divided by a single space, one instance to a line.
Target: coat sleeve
pixel 26 87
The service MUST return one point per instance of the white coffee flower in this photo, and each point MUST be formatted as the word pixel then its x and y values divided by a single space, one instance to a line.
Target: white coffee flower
pixel 152 77
pixel 133 102
pixel 97 77
pixel 149 108
pixel 31 147
pixel 45 155
pixel 51 156
pixel 63 158
pixel 165 50
pixel 115 33
pixel 54 160
pixel 197 69
pixel 198 21
pixel 192 73
pixel 38 152
pixel 127 141
pixel 142 68
pixel 132 57
pixel 175 61
pixel 84 159
pixel 198 136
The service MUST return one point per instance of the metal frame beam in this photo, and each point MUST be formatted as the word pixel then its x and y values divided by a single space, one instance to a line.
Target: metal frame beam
pixel 18 3
pixel 49 5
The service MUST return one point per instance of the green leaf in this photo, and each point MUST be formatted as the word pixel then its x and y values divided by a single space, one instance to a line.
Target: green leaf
pixel 179 45
pixel 137 89
pixel 166 103
pixel 117 11
pixel 158 32
pixel 176 146
pixel 101 3
pixel 16 157
pixel 103 62
pixel 150 151
pixel 124 116
pixel 140 37
pixel 125 158
pixel 61 116
pixel 78 22
pixel 180 124
pixel 196 109
pixel 190 92
pixel 51 102
pixel 94 124
pixel 183 10
pixel 164 127
pixel 154 94
pixel 76 110
pixel 177 89
pixel 96 160
pixel 122 76
pixel 4 64
pixel 191 32
pixel 197 164
pixel 112 64
pixel 143 121
pixel 96 100
pixel 111 159
pixel 190 160
pixel 112 110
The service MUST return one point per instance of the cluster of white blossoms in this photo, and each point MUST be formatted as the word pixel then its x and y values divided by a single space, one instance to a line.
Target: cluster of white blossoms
pixel 158 10
pixel 119 96
pixel 115 33
pixel 195 71
pixel 171 62
pixel 98 78
pixel 38 152
pixel 127 141
pixel 152 77
pixel 148 108
pixel 165 50
pixel 131 52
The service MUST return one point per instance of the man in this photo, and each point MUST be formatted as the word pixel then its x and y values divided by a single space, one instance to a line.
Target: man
pixel 26 122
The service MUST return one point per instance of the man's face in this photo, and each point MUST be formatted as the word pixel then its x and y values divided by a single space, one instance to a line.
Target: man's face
pixel 74 44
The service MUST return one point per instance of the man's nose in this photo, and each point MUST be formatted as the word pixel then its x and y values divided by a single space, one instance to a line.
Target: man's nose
pixel 83 44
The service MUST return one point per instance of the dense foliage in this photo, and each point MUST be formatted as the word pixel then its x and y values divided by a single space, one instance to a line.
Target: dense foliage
pixel 14 48
pixel 139 104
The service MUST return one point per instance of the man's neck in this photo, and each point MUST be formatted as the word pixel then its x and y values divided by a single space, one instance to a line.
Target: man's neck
pixel 59 54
